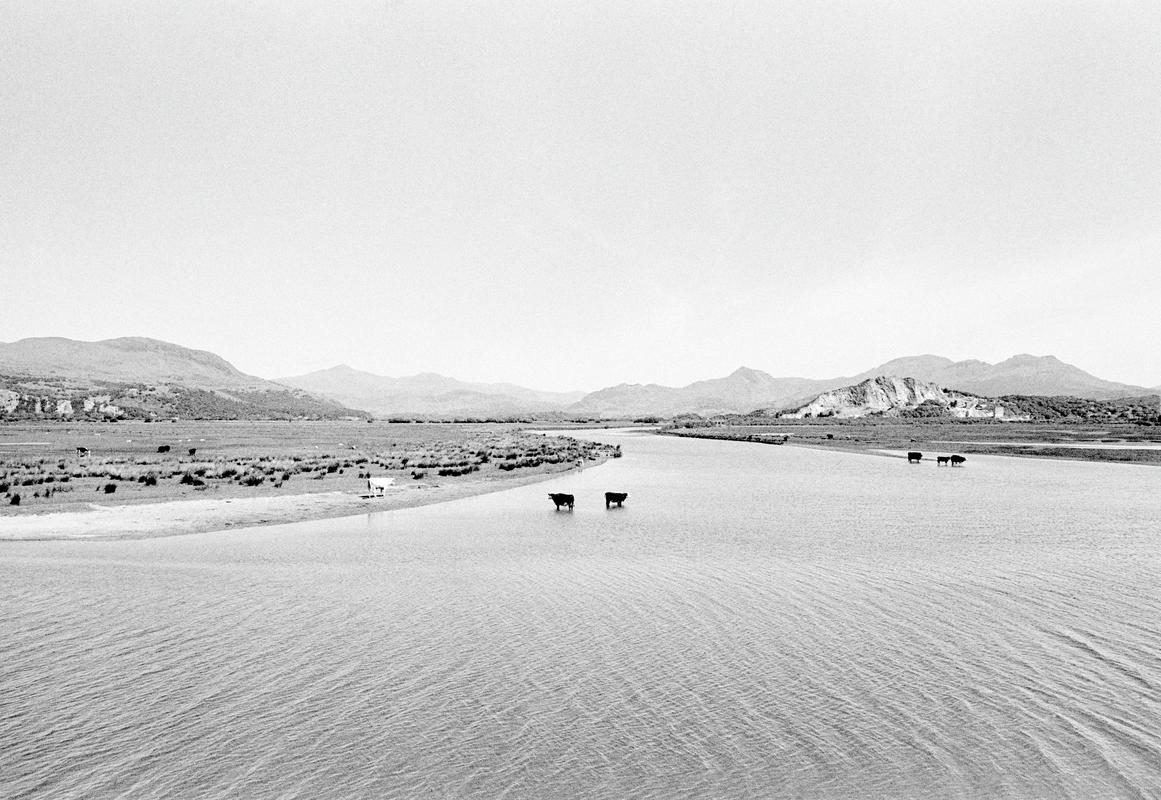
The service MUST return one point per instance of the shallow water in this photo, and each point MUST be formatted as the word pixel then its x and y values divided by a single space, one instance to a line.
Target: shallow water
pixel 756 621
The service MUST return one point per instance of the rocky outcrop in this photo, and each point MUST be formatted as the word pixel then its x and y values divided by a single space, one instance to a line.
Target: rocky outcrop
pixel 887 395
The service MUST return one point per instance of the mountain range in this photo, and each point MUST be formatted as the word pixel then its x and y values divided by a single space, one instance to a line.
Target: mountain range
pixel 140 377
pixel 428 394
pixel 748 389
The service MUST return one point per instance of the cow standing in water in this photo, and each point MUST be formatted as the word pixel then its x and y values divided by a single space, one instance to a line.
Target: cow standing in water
pixel 914 458
pixel 941 460
pixel 562 500
pixel 957 460
pixel 615 497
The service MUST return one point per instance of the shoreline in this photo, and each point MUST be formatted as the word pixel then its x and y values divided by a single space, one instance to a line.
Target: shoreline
pixel 1146 455
pixel 201 515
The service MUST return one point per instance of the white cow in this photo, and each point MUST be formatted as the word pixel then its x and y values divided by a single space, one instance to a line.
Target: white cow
pixel 377 486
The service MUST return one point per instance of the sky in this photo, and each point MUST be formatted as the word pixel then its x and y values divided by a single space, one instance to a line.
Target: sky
pixel 570 195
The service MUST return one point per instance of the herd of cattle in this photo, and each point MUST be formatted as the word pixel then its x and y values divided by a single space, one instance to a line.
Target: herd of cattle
pixel 914 458
pixel 562 500
pixel 164 448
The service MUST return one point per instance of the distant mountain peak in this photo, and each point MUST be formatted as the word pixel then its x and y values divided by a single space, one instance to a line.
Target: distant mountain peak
pixel 1028 358
pixel 749 374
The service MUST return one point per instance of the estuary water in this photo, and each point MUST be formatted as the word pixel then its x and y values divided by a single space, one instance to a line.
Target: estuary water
pixel 757 621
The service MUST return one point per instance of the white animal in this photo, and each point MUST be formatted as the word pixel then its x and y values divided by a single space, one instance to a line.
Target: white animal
pixel 377 486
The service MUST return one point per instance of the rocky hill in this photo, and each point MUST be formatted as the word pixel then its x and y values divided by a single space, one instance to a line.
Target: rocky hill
pixel 138 378
pixel 893 396
pixel 888 396
pixel 429 394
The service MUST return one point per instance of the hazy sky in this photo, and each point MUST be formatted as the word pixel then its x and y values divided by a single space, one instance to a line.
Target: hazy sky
pixel 575 194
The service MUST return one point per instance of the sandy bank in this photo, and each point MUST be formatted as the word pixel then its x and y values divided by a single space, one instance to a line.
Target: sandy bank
pixel 173 518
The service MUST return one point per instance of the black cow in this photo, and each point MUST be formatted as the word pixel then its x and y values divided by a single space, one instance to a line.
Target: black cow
pixel 615 497
pixel 193 451
pixel 913 457
pixel 957 460
pixel 163 448
pixel 941 460
pixel 562 500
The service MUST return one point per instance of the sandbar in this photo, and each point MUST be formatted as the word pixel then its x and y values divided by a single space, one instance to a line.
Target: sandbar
pixel 202 515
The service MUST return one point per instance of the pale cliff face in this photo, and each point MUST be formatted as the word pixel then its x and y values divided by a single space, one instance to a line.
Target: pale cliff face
pixel 888 395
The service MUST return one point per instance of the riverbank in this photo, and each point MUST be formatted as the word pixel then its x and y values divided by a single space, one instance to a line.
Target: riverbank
pixel 144 480
pixel 1129 444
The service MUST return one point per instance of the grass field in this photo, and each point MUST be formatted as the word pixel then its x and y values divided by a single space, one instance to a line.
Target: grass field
pixel 41 464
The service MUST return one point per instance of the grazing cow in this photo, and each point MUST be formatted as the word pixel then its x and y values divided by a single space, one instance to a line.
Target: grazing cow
pixel 913 457
pixel 941 460
pixel 163 448
pixel 562 500
pixel 193 451
pixel 957 460
pixel 615 497
pixel 82 451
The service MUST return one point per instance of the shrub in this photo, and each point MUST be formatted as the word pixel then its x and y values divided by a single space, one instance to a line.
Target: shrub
pixel 4 487
pixel 150 479
pixel 15 501
pixel 110 488
pixel 252 480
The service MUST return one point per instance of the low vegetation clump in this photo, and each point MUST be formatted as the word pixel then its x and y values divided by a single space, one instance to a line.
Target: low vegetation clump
pixel 227 459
